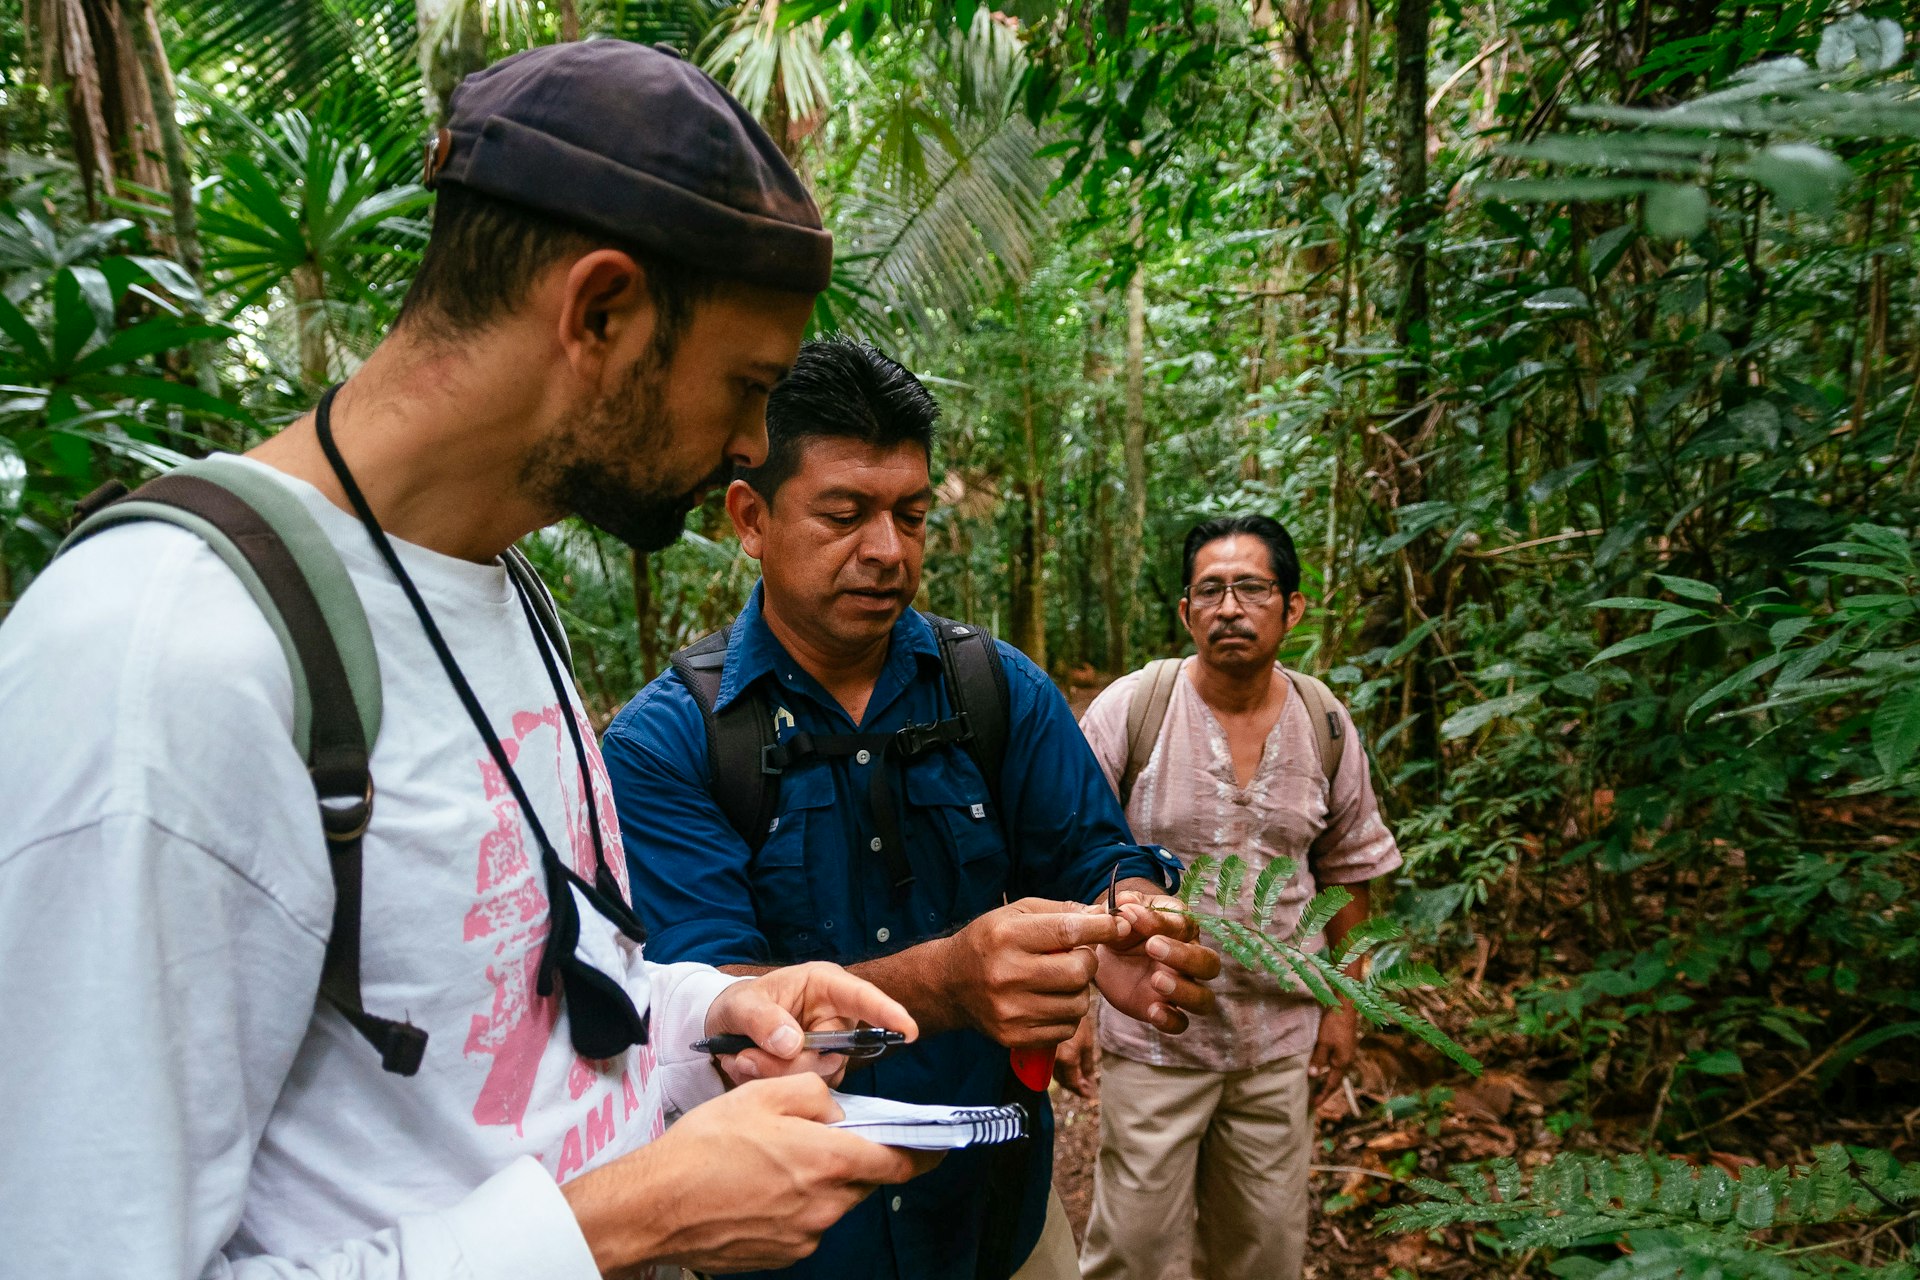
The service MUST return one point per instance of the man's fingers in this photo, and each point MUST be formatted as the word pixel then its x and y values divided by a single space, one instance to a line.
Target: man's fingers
pixel 1182 992
pixel 1067 929
pixel 1194 960
pixel 869 1163
pixel 1061 973
pixel 1158 916
pixel 833 989
pixel 804 1097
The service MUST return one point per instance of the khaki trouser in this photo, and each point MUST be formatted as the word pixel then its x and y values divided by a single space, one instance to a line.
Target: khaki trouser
pixel 1052 1257
pixel 1232 1147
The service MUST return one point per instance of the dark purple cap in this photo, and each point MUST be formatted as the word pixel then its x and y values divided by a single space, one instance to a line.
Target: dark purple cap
pixel 639 144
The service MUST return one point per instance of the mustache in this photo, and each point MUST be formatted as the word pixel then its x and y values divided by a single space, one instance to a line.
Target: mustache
pixel 1232 630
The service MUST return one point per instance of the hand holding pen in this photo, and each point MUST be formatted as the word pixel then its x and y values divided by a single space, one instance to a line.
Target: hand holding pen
pixel 773 1014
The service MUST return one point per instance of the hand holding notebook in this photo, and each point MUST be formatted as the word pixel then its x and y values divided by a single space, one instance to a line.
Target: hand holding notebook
pixel 920 1127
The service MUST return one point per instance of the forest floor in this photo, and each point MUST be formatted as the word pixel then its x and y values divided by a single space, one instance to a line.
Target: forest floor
pixel 1410 1113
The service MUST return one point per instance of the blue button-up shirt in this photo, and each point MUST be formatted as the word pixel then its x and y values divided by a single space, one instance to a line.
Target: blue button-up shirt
pixel 815 891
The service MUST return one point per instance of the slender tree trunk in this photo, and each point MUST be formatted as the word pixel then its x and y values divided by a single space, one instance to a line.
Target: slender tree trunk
pixel 453 45
pixel 310 320
pixel 1413 335
pixel 139 17
pixel 1134 514
pixel 1411 324
pixel 646 618
pixel 569 20
pixel 1030 604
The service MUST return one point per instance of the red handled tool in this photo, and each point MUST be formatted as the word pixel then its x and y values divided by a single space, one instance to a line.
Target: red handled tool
pixel 1033 1067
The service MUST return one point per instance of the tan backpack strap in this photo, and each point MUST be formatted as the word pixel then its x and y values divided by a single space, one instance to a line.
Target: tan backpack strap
pixel 1146 712
pixel 1324 710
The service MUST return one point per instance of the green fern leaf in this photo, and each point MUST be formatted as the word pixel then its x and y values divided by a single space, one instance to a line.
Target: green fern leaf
pixel 1270 884
pixel 1677 1179
pixel 1713 1195
pixel 1325 905
pixel 1195 878
pixel 1233 877
pixel 1507 1179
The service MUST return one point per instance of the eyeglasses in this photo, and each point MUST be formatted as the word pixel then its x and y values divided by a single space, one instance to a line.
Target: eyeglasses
pixel 1251 592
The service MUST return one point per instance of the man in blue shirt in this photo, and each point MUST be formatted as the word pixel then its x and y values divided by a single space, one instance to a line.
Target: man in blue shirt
pixel 837 518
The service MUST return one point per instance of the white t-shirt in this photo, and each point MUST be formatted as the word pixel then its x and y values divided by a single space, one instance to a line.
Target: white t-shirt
pixel 172 1102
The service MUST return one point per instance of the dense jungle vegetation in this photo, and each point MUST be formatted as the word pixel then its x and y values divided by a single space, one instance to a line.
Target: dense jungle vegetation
pixel 1578 344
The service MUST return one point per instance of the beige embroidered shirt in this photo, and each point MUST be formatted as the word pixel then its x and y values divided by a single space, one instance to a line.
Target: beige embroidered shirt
pixel 1188 800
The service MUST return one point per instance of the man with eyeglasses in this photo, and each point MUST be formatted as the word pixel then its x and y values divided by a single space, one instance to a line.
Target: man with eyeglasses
pixel 1229 754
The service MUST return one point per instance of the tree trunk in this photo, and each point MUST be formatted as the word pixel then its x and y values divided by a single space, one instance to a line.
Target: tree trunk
pixel 90 51
pixel 1411 324
pixel 1413 335
pixel 453 45
pixel 139 17
pixel 1030 582
pixel 646 618
pixel 310 321
pixel 1133 525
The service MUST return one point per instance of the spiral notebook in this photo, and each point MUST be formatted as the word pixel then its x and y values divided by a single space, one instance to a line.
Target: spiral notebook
pixel 928 1128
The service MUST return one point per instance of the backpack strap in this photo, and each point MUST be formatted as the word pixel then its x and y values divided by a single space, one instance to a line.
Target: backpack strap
pixel 738 739
pixel 1146 712
pixel 1329 742
pixel 977 687
pixel 296 576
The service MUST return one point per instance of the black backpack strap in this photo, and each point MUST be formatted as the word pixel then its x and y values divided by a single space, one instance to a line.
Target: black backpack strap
pixel 295 576
pixel 977 687
pixel 745 785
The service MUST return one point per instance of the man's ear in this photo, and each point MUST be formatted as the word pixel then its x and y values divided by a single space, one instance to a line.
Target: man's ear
pixel 1182 607
pixel 604 306
pixel 1296 609
pixel 749 512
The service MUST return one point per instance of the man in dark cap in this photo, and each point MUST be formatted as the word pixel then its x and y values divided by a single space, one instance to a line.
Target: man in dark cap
pixel 620 268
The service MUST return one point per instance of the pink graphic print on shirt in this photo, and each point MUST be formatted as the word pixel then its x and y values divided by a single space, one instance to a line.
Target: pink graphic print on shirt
pixel 510 910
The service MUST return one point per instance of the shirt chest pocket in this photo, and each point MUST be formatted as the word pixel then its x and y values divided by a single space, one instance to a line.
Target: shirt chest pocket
pixel 784 899
pixel 962 817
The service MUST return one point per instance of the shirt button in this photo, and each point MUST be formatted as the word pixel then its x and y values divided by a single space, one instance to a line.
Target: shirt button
pixel 896 1204
pixel 882 934
pixel 862 757
pixel 874 844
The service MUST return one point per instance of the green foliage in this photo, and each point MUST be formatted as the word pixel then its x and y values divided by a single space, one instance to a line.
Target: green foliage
pixel 1640 1216
pixel 1292 958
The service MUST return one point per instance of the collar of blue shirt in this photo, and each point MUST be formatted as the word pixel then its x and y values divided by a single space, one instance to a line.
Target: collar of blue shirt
pixel 753 651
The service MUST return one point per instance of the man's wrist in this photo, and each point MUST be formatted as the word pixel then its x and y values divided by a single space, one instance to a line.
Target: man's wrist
pixel 602 1202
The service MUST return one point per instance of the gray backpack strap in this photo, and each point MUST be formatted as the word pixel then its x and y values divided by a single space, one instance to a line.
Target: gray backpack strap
pixel 1324 710
pixel 1146 712
pixel 293 572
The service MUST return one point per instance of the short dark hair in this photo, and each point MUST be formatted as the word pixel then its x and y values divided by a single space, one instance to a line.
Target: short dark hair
pixel 484 253
pixel 1283 561
pixel 841 387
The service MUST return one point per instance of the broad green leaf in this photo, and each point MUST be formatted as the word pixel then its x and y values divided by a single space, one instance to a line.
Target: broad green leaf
pixel 1676 212
pixel 1896 729
pixel 1472 718
pixel 1689 588
pixel 1719 1062
pixel 1645 640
